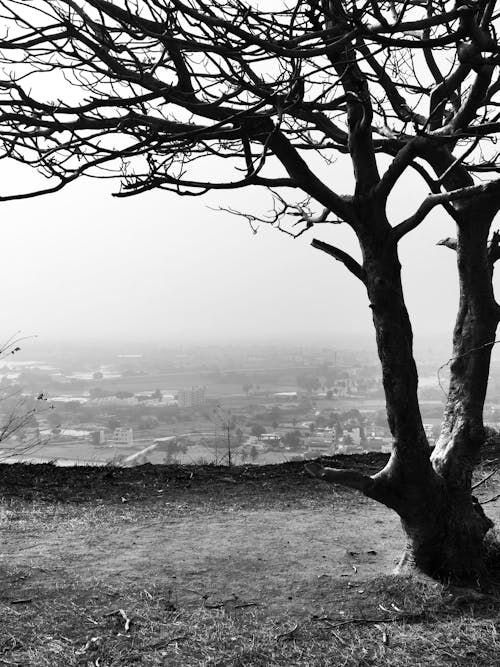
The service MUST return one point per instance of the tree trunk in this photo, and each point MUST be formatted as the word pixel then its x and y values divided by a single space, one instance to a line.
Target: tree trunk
pixel 458 448
pixel 443 523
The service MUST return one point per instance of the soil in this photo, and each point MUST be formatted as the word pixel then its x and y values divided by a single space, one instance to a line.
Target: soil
pixel 268 536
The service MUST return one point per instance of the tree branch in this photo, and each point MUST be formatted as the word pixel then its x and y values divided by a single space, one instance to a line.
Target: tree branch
pixel 448 243
pixel 340 255
pixel 401 161
pixel 419 216
pixel 350 478
pixel 483 189
pixel 494 248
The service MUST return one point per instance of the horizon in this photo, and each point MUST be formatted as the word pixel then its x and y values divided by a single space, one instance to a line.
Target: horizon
pixel 85 266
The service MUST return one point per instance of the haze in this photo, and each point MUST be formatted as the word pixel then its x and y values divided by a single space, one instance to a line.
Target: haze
pixel 81 265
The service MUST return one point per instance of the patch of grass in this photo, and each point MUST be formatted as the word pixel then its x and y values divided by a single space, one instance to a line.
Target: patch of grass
pixel 404 622
pixel 334 616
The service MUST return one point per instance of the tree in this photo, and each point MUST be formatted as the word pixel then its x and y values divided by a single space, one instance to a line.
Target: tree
pixel 147 423
pixel 154 88
pixel 239 437
pixel 257 430
pixel 124 394
pixel 246 388
pixel 113 422
pixel 172 451
pixel 347 441
pixel 228 424
pixel 157 396
pixel 253 453
pixel 308 382
pixel 293 440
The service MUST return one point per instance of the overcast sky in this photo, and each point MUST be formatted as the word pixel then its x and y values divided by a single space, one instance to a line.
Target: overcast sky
pixel 81 264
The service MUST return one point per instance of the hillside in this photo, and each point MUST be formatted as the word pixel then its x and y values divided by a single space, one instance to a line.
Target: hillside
pixel 200 565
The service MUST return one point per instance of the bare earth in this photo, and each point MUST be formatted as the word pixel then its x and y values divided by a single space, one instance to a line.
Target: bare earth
pixel 271 545
pixel 266 555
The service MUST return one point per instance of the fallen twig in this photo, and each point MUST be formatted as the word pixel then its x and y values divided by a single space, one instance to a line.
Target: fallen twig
pixel 338 623
pixel 12 611
pixel 165 642
pixel 120 612
pixel 92 642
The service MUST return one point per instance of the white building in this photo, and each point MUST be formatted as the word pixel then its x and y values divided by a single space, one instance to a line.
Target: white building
pixel 269 437
pixel 191 398
pixel 122 437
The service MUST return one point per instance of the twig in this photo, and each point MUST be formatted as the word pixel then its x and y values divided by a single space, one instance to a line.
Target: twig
pixel 120 612
pixel 348 621
pixel 164 642
pixel 490 500
pixel 485 479
pixel 13 611
pixel 460 356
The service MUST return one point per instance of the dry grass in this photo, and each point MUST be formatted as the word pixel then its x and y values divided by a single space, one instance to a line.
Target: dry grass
pixel 62 617
pixel 402 622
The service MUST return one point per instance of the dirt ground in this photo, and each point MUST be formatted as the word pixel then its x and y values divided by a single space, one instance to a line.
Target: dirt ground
pixel 264 536
pixel 266 556
pixel 254 540
pixel 269 538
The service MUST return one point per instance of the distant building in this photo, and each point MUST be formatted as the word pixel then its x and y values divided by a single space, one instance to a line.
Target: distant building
pixel 269 437
pixel 286 395
pixel 321 443
pixel 319 447
pixel 191 398
pixel 429 430
pixel 122 437
pixel 98 437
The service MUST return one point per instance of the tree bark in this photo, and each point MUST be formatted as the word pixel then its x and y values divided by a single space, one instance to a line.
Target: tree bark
pixel 409 464
pixel 458 448
pixel 443 523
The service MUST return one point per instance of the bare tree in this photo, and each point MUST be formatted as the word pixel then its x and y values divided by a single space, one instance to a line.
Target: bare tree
pixel 17 435
pixel 227 422
pixel 191 96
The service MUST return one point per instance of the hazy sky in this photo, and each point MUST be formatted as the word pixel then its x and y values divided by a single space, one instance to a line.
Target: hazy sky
pixel 80 264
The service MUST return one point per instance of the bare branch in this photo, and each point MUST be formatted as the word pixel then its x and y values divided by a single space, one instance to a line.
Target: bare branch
pixel 340 255
pixel 494 248
pixel 350 478
pixel 448 243
pixel 433 200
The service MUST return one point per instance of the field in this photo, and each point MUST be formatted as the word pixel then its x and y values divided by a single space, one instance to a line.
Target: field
pixel 170 565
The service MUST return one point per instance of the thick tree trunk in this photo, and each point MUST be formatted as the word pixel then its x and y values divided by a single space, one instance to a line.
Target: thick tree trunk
pixel 408 483
pixel 457 451
pixel 458 448
pixel 443 523
pixel 448 543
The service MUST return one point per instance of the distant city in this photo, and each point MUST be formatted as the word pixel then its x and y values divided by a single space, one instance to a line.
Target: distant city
pixel 238 404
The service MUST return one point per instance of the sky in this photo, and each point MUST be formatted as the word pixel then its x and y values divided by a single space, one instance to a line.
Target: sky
pixel 81 265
